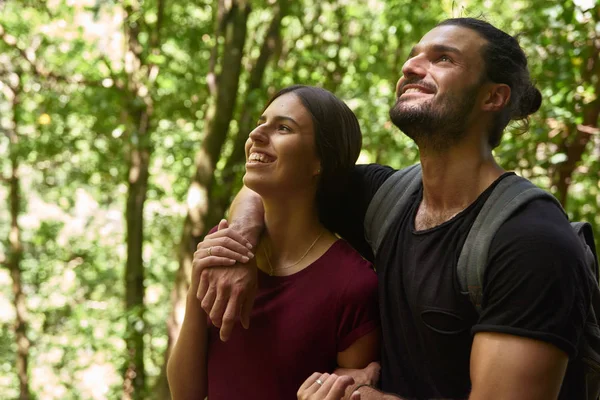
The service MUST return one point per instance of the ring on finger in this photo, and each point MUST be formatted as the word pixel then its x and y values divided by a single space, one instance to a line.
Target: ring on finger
pixel 209 251
pixel 320 382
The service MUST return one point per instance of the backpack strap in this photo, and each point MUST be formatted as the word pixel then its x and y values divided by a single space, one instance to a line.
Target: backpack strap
pixel 389 200
pixel 511 193
pixel 585 232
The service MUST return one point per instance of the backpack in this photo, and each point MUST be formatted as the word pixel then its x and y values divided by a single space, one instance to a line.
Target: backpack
pixel 510 194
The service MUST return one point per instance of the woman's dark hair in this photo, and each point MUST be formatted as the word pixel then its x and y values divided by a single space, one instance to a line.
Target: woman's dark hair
pixel 505 62
pixel 338 140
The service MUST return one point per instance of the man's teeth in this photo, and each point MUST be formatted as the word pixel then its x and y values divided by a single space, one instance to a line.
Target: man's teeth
pixel 413 90
pixel 259 157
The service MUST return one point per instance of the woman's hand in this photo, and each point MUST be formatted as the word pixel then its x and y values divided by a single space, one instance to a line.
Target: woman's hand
pixel 326 387
pixel 223 247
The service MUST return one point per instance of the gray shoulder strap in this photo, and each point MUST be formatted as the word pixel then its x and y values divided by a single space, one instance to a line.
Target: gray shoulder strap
pixel 510 194
pixel 388 201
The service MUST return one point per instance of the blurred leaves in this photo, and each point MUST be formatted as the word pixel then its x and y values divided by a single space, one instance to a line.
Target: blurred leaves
pixel 69 60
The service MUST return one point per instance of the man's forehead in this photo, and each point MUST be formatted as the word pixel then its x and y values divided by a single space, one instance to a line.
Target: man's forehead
pixel 463 39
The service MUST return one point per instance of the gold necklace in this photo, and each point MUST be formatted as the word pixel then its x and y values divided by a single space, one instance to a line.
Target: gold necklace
pixel 272 270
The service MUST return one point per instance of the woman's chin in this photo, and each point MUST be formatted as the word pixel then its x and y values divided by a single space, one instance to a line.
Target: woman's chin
pixel 255 183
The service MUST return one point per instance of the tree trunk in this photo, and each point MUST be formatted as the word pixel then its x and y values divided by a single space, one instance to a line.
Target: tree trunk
pixel 139 110
pixel 134 380
pixel 335 76
pixel 254 99
pixel 575 147
pixel 218 117
pixel 15 255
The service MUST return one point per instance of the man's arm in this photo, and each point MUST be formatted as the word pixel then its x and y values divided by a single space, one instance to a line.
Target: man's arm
pixel 234 287
pixel 369 393
pixel 502 367
pixel 246 215
pixel 513 367
pixel 228 292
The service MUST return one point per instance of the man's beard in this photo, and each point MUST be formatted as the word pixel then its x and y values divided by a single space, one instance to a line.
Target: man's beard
pixel 436 123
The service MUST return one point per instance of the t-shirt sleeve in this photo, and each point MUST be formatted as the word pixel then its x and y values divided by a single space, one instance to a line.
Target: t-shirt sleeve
pixel 359 311
pixel 347 217
pixel 536 284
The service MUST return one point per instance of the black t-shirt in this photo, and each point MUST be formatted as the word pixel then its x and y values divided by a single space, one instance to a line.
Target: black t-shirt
pixel 534 286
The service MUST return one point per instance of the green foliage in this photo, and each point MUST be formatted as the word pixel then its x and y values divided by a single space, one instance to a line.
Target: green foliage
pixel 74 135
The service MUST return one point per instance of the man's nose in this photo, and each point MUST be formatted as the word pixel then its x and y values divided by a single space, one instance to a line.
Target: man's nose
pixel 415 67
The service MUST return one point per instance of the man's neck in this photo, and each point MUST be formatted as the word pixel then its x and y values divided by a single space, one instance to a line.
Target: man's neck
pixel 455 177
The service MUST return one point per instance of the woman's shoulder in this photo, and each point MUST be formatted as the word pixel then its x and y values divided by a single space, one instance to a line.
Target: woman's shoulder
pixel 352 278
pixel 342 258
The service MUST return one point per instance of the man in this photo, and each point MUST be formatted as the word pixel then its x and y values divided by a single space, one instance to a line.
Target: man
pixel 461 85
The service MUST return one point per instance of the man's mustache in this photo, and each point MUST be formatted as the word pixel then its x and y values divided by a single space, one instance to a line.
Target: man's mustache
pixel 419 82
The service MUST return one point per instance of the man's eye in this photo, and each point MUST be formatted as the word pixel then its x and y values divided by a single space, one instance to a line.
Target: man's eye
pixel 444 58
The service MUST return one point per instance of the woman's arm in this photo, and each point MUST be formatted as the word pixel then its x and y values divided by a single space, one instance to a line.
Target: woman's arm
pixel 187 366
pixel 360 353
pixel 358 362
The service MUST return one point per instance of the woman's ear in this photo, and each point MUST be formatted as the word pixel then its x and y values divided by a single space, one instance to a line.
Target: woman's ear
pixel 496 98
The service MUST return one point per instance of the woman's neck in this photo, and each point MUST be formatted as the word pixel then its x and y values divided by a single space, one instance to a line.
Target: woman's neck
pixel 291 227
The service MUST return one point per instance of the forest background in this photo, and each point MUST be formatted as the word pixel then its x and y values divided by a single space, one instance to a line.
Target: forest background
pixel 122 124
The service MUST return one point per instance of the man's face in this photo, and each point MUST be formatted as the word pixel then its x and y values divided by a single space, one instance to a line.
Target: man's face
pixel 439 86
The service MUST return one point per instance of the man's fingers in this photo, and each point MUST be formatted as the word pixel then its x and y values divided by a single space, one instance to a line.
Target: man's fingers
pixel 355 396
pixel 209 299
pixel 374 366
pixel 374 372
pixel 231 313
pixel 246 308
pixel 202 287
pixel 222 225
pixel 218 308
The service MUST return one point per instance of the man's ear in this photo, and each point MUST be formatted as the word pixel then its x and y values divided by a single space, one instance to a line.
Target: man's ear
pixel 496 97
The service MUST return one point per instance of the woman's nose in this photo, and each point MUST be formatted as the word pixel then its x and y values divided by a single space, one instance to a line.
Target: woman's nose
pixel 259 134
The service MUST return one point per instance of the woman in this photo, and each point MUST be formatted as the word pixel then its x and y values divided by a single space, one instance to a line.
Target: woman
pixel 316 309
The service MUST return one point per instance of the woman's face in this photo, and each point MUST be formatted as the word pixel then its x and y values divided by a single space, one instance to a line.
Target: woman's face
pixel 280 152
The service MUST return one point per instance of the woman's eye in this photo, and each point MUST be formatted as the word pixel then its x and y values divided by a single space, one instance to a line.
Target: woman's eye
pixel 284 128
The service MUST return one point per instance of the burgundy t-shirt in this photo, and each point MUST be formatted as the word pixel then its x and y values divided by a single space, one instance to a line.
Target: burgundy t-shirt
pixel 298 325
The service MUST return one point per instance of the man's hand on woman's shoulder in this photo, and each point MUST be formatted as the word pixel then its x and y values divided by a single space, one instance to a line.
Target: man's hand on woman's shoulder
pixel 226 291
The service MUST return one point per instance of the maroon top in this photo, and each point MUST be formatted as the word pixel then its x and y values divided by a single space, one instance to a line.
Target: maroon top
pixel 298 325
